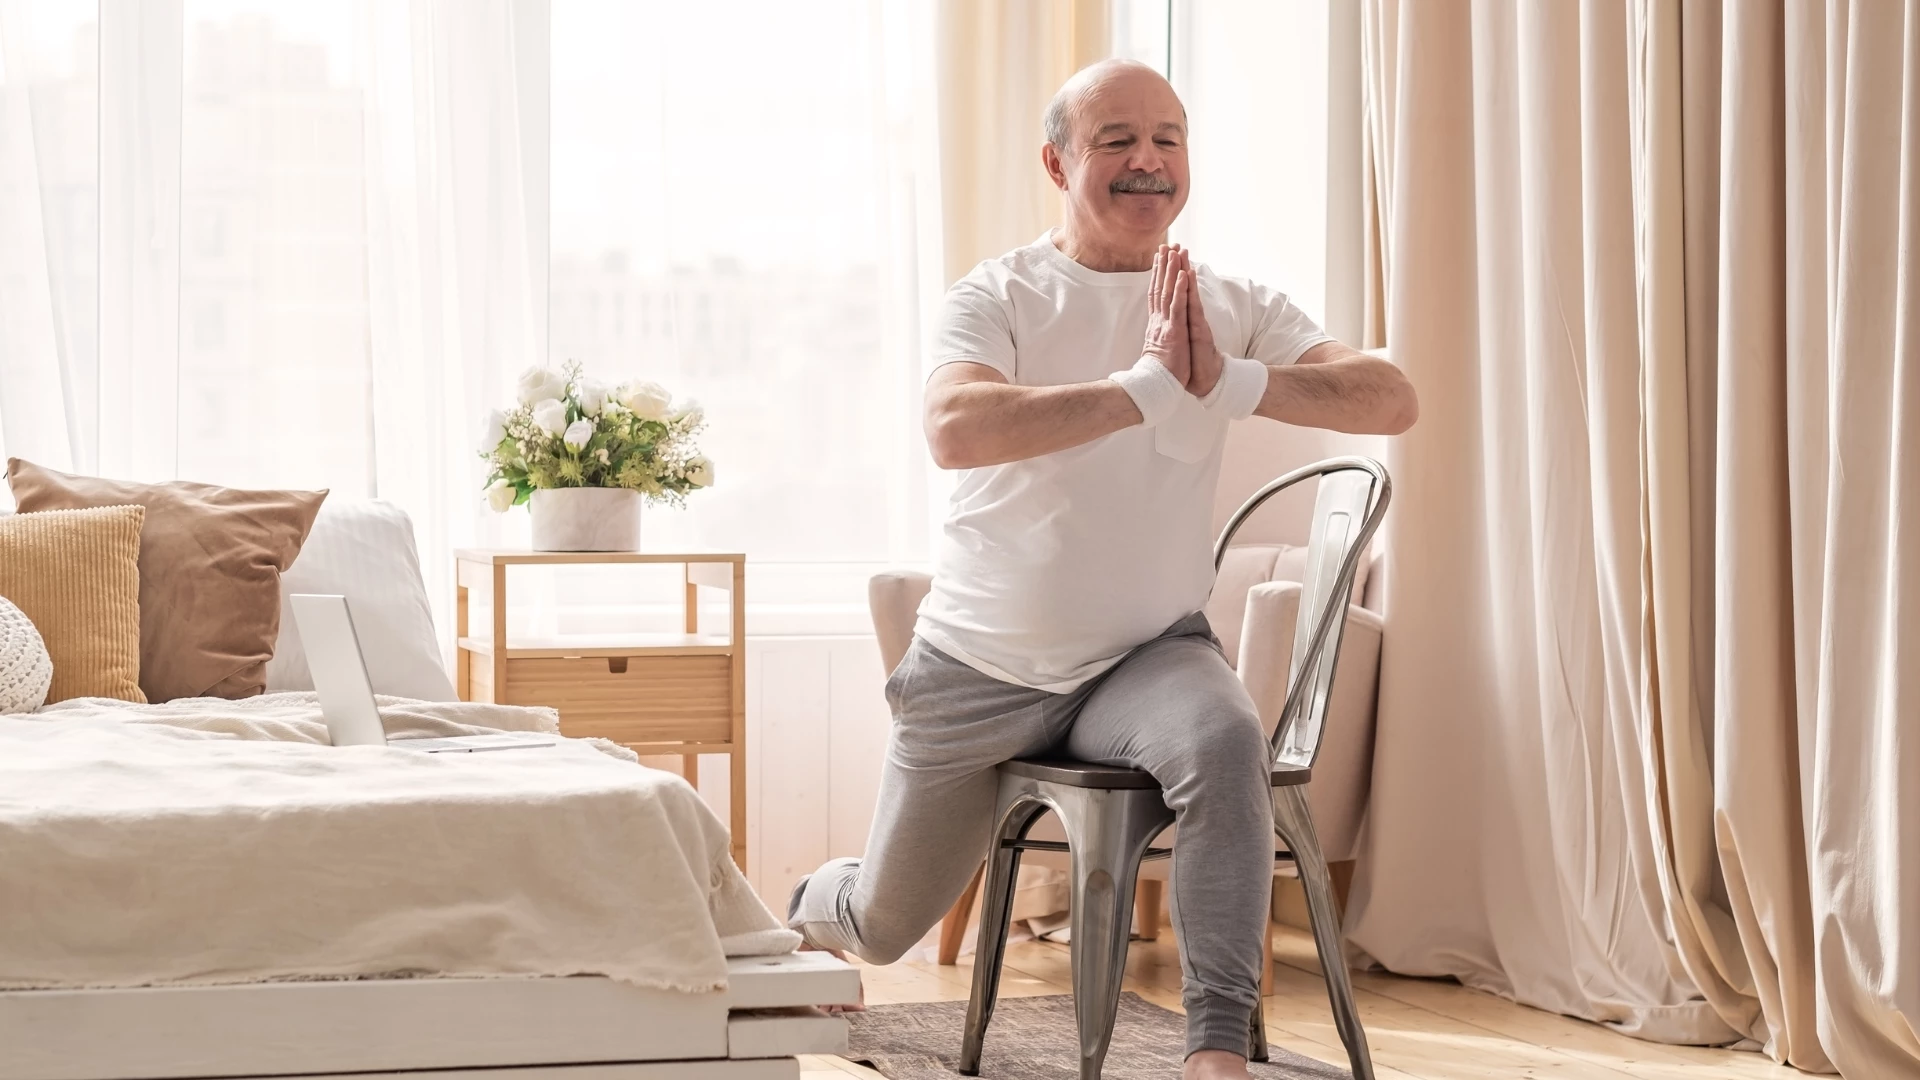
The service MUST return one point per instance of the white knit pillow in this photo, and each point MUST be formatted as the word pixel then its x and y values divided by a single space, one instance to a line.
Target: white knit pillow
pixel 25 669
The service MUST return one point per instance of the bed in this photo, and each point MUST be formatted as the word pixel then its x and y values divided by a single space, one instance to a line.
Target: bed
pixel 529 1028
pixel 207 889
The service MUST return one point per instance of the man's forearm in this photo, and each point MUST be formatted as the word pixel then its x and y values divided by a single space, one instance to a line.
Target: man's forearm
pixel 976 424
pixel 1356 393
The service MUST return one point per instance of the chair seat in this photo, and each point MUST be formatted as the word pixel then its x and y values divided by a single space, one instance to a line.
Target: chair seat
pixel 1082 774
pixel 1086 774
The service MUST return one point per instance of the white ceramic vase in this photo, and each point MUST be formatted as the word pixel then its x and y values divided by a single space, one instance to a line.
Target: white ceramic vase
pixel 585 519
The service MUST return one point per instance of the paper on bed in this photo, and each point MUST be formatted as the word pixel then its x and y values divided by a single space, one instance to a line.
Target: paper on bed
pixel 214 841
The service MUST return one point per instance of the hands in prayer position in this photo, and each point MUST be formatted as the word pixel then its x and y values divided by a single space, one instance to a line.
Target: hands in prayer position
pixel 1178 336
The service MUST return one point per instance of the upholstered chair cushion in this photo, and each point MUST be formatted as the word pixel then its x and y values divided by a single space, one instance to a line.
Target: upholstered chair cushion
pixel 1247 565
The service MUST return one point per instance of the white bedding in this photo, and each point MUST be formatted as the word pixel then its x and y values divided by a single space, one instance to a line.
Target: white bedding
pixel 224 841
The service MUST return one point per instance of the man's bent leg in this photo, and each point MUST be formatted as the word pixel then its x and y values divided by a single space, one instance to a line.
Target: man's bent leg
pixel 1174 708
pixel 952 725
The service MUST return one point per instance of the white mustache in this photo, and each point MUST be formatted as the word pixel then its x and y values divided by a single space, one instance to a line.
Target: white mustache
pixel 1142 184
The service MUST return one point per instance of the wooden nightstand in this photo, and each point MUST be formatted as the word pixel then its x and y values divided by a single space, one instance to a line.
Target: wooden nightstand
pixel 680 693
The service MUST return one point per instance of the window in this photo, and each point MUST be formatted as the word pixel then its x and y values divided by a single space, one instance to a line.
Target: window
pixel 723 169
pixel 273 273
pixel 1254 76
pixel 49 232
pixel 734 198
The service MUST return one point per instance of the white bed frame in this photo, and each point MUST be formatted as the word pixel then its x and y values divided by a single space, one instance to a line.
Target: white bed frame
pixel 531 1028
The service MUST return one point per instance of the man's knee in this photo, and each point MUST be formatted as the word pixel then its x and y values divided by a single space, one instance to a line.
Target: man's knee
pixel 825 912
pixel 1224 743
pixel 884 937
pixel 881 950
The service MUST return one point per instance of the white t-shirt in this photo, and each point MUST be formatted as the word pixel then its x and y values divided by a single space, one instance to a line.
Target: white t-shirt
pixel 1049 570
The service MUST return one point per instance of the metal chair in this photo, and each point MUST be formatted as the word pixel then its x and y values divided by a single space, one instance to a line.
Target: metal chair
pixel 1112 813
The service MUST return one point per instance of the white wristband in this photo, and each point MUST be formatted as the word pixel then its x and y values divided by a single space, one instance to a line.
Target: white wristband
pixel 1154 390
pixel 1242 383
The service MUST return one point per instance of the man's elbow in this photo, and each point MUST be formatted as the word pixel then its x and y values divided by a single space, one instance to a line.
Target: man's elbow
pixel 949 441
pixel 1404 411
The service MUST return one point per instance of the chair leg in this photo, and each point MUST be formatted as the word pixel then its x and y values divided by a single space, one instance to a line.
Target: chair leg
pixel 1259 1041
pixel 1266 961
pixel 1147 900
pixel 1294 822
pixel 954 926
pixel 1002 870
pixel 1107 832
pixel 1257 1038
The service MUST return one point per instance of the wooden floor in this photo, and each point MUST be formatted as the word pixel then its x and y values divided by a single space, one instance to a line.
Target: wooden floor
pixel 1419 1029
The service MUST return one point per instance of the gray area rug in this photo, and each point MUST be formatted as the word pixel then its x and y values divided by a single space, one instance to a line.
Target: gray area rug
pixel 1032 1038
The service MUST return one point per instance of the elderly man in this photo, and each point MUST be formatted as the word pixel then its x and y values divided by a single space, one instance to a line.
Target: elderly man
pixel 1083 384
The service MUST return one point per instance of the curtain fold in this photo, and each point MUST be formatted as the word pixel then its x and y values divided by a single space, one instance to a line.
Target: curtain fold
pixel 45 330
pixel 456 259
pixel 999 62
pixel 1649 278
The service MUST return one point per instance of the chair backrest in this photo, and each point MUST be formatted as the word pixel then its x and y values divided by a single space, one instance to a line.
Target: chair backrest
pixel 1348 509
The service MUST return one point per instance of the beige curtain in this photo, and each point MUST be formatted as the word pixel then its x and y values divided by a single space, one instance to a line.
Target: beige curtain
pixel 1650 644
pixel 1000 62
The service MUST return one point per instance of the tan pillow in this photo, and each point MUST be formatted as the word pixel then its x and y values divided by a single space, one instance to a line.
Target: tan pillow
pixel 76 574
pixel 210 565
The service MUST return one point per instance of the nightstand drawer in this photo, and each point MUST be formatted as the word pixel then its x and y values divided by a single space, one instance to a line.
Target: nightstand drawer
pixel 655 699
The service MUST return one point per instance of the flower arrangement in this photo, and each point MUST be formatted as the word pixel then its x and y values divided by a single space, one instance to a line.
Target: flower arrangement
pixel 571 431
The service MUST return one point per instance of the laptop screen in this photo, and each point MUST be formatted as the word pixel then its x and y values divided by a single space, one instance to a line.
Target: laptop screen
pixel 339 670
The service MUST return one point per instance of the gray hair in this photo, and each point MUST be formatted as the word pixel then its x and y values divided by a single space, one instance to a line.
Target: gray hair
pixel 1057 120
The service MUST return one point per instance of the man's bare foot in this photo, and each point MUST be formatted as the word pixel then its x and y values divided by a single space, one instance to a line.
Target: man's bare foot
pixel 837 954
pixel 1215 1065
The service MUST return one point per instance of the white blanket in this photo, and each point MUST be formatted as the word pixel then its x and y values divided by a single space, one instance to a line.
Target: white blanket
pixel 211 841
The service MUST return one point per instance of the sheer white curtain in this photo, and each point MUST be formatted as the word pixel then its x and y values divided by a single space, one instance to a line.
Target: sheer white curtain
pixel 304 246
pixel 49 226
pixel 736 191
pixel 318 250
pixel 454 139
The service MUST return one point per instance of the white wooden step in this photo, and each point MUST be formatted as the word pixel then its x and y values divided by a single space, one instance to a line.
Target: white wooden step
pixel 801 978
pixel 766 1033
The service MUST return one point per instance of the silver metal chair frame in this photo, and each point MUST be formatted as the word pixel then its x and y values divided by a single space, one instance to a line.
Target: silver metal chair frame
pixel 1111 814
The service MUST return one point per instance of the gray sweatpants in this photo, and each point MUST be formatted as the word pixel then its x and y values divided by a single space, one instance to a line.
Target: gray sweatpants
pixel 1172 707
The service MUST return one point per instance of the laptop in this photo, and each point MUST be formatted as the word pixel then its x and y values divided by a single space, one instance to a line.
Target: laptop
pixel 346 693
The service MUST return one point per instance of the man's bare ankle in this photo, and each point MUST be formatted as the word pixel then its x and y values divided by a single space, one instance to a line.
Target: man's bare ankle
pixel 1215 1065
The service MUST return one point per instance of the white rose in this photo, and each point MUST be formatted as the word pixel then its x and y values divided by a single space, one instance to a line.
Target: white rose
pixel 647 400
pixel 540 383
pixel 492 430
pixel 551 415
pixel 691 411
pixel 700 472
pixel 578 433
pixel 500 496
pixel 593 396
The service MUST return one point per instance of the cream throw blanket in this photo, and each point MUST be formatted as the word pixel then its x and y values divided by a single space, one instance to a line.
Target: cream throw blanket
pixel 209 841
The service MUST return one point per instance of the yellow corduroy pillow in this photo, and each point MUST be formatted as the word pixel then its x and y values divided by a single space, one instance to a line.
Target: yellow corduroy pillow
pixel 76 575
